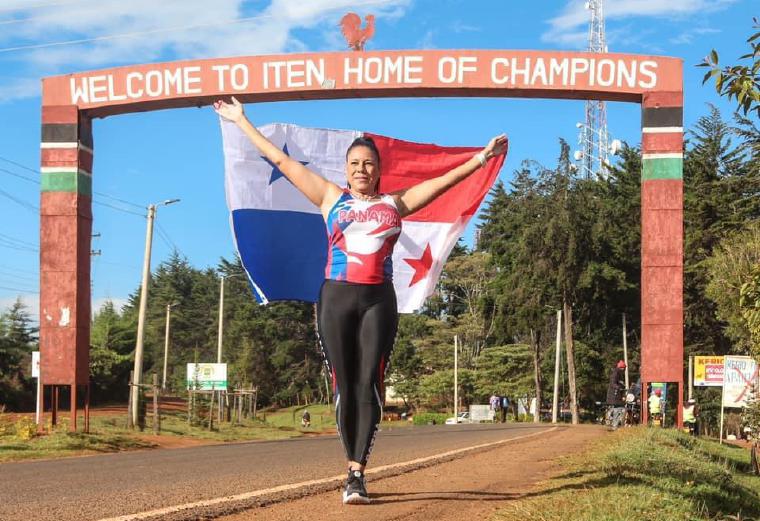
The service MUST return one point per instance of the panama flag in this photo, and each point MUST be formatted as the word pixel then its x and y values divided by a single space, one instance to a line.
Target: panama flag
pixel 282 239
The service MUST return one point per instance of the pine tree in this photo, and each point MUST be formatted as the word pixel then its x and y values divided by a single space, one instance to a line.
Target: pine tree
pixel 712 167
pixel 18 338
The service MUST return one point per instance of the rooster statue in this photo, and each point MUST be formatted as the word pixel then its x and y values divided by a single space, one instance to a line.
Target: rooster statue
pixel 355 35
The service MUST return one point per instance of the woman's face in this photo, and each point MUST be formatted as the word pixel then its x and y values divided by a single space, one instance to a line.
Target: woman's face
pixel 362 170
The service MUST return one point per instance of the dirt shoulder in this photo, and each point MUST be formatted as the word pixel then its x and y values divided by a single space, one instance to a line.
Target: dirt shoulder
pixel 472 487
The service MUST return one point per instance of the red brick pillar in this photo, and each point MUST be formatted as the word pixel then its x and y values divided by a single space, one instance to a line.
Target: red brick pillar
pixel 662 242
pixel 65 234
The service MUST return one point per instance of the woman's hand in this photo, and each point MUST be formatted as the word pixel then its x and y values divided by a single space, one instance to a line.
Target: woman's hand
pixel 230 111
pixel 496 147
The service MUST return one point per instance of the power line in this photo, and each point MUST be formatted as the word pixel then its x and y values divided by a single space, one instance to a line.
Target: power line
pixel 17 276
pixel 21 290
pixel 135 205
pixel 39 17
pixel 36 6
pixel 19 270
pixel 20 176
pixel 101 203
pixel 19 241
pixel 34 171
pixel 99 194
pixel 165 236
pixel 16 282
pixel 133 34
pixel 142 33
pixel 28 206
pixel 18 248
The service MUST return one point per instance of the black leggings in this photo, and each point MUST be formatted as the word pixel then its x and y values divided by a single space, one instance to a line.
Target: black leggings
pixel 357 326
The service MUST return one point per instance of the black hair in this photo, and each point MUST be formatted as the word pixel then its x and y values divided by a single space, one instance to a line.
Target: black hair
pixel 368 142
pixel 364 142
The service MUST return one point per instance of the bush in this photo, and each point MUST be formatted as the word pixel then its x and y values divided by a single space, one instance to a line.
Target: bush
pixel 429 418
pixel 25 428
pixel 6 426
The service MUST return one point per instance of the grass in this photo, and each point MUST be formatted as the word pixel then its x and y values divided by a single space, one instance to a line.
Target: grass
pixel 108 433
pixel 647 474
pixel 322 417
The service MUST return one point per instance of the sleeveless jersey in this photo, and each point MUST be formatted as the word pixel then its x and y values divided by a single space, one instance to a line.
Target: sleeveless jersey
pixel 360 236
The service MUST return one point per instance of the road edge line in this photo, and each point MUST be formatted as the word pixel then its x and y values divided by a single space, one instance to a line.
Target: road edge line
pixel 383 471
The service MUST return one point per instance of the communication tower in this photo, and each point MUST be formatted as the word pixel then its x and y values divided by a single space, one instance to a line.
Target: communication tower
pixel 593 138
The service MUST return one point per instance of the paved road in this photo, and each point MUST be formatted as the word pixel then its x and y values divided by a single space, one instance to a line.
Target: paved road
pixel 96 487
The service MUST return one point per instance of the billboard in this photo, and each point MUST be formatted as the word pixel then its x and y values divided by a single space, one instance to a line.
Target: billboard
pixel 708 371
pixel 207 377
pixel 481 413
pixel 739 380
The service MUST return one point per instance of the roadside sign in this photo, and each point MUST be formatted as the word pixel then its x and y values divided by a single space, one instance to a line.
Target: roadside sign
pixel 739 380
pixel 35 364
pixel 708 371
pixel 205 377
pixel 481 413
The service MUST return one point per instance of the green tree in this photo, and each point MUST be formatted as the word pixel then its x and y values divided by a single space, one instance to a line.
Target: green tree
pixel 729 269
pixel 505 371
pixel 111 345
pixel 715 179
pixel 437 388
pixel 749 300
pixel 18 338
pixel 740 82
pixel 406 365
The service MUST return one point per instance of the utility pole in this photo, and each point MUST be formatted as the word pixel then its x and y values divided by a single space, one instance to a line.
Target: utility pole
pixel 456 381
pixel 166 343
pixel 558 354
pixel 221 321
pixel 139 346
pixel 691 377
pixel 625 354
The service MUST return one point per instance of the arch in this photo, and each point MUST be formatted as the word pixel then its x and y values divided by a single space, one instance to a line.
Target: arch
pixel 70 102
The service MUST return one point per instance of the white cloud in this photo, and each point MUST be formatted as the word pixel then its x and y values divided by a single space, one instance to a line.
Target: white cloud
pixel 32 303
pixel 459 27
pixel 118 303
pixel 426 42
pixel 566 28
pixel 228 28
pixel 688 36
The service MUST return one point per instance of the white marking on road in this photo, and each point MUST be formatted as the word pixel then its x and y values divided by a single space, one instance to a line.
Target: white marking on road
pixel 305 484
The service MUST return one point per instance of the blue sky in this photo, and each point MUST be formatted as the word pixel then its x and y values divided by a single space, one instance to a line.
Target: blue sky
pixel 149 157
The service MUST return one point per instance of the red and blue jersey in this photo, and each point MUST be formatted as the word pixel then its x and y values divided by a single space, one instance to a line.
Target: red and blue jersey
pixel 361 235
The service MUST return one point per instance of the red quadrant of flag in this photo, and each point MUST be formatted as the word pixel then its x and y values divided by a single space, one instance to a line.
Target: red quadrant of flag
pixel 405 164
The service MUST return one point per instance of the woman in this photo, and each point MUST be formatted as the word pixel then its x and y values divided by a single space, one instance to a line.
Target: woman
pixel 357 314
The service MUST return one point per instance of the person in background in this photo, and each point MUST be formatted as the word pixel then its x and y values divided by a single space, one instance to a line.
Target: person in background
pixel 616 395
pixel 494 403
pixel 504 407
pixel 655 407
pixel 690 416
pixel 305 418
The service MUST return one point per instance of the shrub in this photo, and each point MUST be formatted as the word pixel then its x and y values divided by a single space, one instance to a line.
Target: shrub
pixel 429 418
pixel 25 428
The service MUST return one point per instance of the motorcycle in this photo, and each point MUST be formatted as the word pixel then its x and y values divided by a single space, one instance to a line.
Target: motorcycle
pixel 632 410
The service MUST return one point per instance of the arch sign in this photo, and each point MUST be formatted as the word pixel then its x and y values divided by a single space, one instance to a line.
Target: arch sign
pixel 69 103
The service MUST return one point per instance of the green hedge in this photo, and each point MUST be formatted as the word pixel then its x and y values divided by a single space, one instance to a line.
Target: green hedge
pixel 428 418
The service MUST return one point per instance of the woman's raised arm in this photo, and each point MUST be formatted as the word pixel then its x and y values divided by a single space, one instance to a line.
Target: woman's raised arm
pixel 315 187
pixel 420 195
